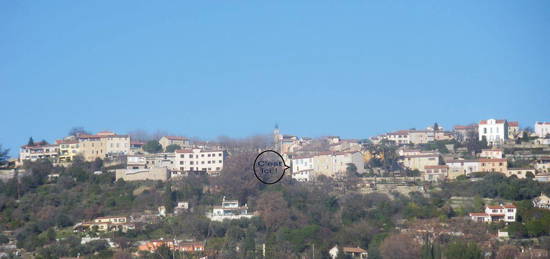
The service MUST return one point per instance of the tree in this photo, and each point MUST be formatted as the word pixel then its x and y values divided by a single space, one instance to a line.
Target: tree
pixel 152 146
pixel 508 252
pixel 172 148
pixel 399 246
pixel 3 155
pixel 76 131
pixel 31 142
pixel 463 250
pixel 273 209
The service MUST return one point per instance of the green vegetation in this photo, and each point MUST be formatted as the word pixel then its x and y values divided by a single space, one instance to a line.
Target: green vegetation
pixel 152 146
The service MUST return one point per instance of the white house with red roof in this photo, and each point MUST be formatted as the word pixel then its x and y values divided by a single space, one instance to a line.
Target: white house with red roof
pixel 506 213
pixel 495 131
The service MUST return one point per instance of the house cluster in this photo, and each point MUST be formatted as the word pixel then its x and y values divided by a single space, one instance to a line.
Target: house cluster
pixel 162 166
pixel 174 245
pixel 497 134
pixel 140 164
pixel 494 213
pixel 105 144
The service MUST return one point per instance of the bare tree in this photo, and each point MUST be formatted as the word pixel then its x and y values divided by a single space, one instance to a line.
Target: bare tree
pixel 400 246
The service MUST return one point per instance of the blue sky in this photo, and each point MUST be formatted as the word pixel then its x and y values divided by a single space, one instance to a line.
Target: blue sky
pixel 210 68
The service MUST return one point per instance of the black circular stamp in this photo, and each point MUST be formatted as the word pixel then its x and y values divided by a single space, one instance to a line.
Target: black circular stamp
pixel 269 167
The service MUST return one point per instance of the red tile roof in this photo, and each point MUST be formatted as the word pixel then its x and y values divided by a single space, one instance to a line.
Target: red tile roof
pixel 513 123
pixel 354 250
pixel 496 121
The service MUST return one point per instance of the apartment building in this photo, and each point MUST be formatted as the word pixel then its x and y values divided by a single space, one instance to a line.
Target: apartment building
pixel 493 213
pixel 103 145
pixel 495 131
pixel 196 159
pixel 542 129
pixel 166 141
pixel 399 137
pixel 39 151
pixel 68 150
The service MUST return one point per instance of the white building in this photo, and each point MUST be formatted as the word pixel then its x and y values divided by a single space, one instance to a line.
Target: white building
pixel 436 173
pixel 39 151
pixel 506 213
pixel 229 210
pixel 495 131
pixel 302 168
pixel 462 167
pixel 542 129
pixel 210 161
pixel 491 153
pixel 542 202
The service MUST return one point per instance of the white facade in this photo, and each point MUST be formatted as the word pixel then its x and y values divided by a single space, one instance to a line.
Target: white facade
pixel 229 210
pixel 37 152
pixel 495 131
pixel 196 159
pixel 506 213
pixel 542 129
pixel 462 167
pixel 491 153
pixel 302 168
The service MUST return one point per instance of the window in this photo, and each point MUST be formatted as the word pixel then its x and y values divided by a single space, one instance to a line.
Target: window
pixel 181 162
pixel 190 156
pixel 181 156
pixel 220 154
pixel 191 163
pixel 220 161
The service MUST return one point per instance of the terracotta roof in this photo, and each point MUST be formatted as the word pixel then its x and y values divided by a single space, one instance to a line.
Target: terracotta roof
pixel 542 123
pixel 513 123
pixel 354 250
pixel 510 206
pixel 459 127
pixel 496 121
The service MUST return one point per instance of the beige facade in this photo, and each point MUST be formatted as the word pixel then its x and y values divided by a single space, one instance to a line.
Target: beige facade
pixel 143 174
pixel 419 162
pixel 210 161
pixel 68 150
pixel 436 173
pixel 174 140
pixel 103 145
pixel 493 165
